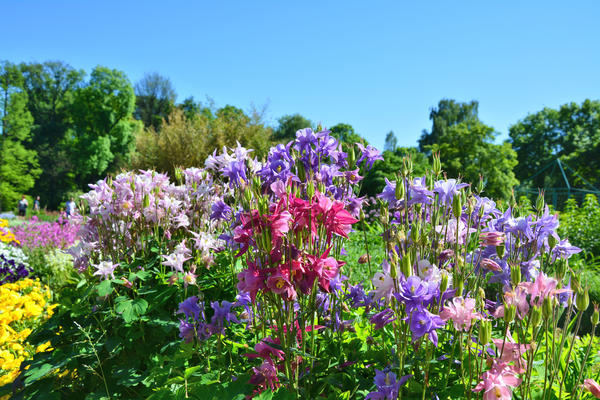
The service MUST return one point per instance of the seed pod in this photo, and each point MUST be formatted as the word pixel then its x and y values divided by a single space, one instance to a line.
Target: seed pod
pixel 485 332
pixel 351 157
pixel 536 316
pixel 583 300
pixel 457 206
pixel 400 189
pixel 406 265
pixel 552 242
pixel 515 274
pixel 500 251
pixel 539 202
pixel 509 313
pixel 444 282
pixel 547 308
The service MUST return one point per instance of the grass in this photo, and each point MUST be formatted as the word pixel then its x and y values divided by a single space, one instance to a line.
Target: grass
pixel 355 248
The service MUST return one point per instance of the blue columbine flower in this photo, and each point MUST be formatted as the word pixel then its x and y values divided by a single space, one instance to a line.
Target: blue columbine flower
pixel 446 189
pixel 423 322
pixel 190 308
pixel 383 318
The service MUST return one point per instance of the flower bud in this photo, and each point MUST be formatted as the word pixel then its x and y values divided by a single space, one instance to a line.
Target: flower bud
pixel 490 264
pixel 406 265
pixel 415 233
pixel 561 269
pixel 400 189
pixel 547 308
pixel 485 332
pixel 539 202
pixel 365 258
pixel 458 284
pixel 536 316
pixel 515 274
pixel 500 250
pixel 178 174
pixel 146 201
pixel 437 164
pixel 480 184
pixel 444 282
pixel 457 206
pixel 351 157
pixel 583 300
pixel 552 242
pixel 595 316
pixel 509 313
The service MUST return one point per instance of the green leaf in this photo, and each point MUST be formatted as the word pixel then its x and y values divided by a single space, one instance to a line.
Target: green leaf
pixel 104 288
pixel 190 371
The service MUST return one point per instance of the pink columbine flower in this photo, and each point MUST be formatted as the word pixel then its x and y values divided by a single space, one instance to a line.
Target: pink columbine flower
pixel 543 287
pixel 516 297
pixel 498 382
pixel 490 264
pixel 461 312
pixel 492 238
pixel 593 387
pixel 512 352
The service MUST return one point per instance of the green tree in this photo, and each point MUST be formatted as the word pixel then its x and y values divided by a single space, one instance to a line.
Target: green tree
pixel 391 142
pixel 155 99
pixel 186 142
pixel 467 150
pixel 571 133
pixel 50 88
pixel 104 129
pixel 447 114
pixel 346 134
pixel 288 126
pixel 18 165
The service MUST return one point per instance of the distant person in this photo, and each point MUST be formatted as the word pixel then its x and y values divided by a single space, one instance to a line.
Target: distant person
pixel 70 207
pixel 23 206
pixel 36 204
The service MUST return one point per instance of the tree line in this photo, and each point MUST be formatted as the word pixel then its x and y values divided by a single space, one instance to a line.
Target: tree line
pixel 62 129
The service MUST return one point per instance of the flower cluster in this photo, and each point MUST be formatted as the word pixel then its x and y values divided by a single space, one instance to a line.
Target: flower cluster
pixel 134 213
pixel 6 236
pixel 290 218
pixel 59 234
pixel 24 306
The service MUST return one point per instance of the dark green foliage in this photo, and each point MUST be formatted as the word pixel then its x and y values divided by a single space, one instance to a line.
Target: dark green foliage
pixel 580 224
pixel 467 149
pixel 103 125
pixel 571 133
pixel 18 165
pixel 154 99
pixel 288 126
pixel 119 340
pixel 448 113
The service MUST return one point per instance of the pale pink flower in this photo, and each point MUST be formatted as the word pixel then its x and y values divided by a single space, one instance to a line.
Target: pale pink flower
pixel 175 261
pixel 498 382
pixel 384 285
pixel 512 352
pixel 461 312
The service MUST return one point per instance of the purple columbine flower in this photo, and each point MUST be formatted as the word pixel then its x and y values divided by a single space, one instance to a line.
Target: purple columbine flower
pixel 413 292
pixel 220 211
pixel 418 192
pixel 370 154
pixel 564 250
pixel 305 139
pixel 447 189
pixel 358 297
pixel 423 322
pixel 389 192
pixel 388 387
pixel 383 318
pixel 236 172
pixel 190 308
pixel 186 331
pixel 222 313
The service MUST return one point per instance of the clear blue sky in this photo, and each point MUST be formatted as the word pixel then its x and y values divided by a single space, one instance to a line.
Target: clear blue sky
pixel 376 65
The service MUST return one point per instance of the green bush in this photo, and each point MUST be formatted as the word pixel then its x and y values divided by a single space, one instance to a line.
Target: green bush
pixel 580 224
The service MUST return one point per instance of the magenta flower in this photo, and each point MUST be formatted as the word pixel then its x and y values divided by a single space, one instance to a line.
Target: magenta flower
pixel 498 382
